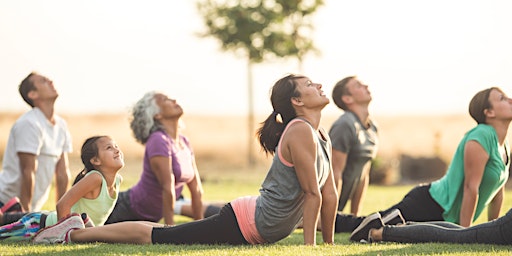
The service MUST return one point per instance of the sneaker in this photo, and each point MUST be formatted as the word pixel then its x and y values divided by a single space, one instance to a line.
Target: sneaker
pixel 59 233
pixel 393 218
pixel 12 205
pixel 362 232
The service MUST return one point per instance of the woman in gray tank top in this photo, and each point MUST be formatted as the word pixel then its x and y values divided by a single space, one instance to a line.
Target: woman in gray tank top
pixel 299 187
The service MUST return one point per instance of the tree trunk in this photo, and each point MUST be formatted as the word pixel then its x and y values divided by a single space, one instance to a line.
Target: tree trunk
pixel 250 115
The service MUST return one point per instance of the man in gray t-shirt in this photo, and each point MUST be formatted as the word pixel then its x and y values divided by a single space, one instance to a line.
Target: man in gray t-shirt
pixel 354 139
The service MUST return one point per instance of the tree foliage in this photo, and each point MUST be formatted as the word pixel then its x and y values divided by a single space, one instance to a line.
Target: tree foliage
pixel 261 29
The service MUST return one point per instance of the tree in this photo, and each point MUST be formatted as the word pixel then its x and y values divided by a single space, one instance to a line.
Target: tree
pixel 260 30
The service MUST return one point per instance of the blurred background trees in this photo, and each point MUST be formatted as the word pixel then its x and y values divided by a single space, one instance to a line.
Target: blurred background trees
pixel 260 30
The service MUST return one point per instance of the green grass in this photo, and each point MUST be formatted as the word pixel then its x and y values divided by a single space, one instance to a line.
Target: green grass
pixel 218 186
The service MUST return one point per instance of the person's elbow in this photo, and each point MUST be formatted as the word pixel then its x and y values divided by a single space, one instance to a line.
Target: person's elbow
pixel 470 188
pixel 62 208
pixel 313 197
pixel 168 190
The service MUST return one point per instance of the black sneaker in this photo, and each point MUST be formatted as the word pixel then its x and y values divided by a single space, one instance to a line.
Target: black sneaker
pixel 393 218
pixel 362 232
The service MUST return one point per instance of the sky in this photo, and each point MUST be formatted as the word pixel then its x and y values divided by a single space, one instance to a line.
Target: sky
pixel 417 57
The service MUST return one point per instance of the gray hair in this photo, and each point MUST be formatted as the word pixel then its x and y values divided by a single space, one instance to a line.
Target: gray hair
pixel 143 122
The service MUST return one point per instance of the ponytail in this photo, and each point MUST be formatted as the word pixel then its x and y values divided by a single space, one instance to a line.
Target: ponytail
pixel 88 152
pixel 80 175
pixel 269 133
pixel 271 129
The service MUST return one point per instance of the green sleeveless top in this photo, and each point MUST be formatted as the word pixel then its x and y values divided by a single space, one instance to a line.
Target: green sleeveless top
pixel 97 209
pixel 448 191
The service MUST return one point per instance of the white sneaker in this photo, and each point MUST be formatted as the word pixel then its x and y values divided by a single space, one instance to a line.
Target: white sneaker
pixel 393 218
pixel 362 233
pixel 59 233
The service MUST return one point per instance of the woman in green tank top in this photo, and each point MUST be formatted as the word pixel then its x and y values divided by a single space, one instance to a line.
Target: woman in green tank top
pixel 474 180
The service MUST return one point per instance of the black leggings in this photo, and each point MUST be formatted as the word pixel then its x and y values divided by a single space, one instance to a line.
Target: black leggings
pixel 11 217
pixel 123 210
pixel 417 205
pixel 221 228
pixel 498 231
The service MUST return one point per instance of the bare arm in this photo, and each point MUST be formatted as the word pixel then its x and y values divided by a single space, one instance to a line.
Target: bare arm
pixel 360 191
pixel 196 194
pixel 28 165
pixel 328 210
pixel 162 167
pixel 339 161
pixel 299 146
pixel 62 176
pixel 494 208
pixel 88 187
pixel 475 158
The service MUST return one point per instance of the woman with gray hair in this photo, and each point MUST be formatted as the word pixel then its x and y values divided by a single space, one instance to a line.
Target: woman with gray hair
pixel 299 186
pixel 168 166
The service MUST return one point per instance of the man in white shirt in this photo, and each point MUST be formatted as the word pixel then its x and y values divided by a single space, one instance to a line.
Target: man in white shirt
pixel 36 150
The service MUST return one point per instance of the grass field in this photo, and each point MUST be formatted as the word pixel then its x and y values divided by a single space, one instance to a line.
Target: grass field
pixel 220 145
pixel 379 197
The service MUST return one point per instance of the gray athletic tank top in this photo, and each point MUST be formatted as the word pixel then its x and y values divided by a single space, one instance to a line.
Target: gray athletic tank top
pixel 279 208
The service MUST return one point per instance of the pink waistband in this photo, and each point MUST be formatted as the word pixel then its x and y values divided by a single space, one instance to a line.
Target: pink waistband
pixel 245 209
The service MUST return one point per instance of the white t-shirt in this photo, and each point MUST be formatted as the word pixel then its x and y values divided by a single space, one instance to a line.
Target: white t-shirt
pixel 33 133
